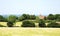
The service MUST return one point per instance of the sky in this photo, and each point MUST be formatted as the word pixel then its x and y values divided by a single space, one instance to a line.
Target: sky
pixel 36 7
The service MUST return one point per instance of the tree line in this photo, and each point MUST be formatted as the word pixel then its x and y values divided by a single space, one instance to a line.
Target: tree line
pixel 13 18
pixel 51 19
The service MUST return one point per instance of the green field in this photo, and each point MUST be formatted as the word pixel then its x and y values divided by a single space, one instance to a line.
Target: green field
pixel 15 31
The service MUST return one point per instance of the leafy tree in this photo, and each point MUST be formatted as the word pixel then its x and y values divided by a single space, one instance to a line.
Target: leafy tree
pixel 5 19
pixel 42 23
pixel 57 16
pixel 26 16
pixel 50 17
pixel 32 17
pixel 28 24
pixel 1 18
pixel 11 18
pixel 21 18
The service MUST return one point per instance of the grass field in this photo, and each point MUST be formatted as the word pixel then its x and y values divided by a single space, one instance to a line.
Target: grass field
pixel 15 24
pixel 5 31
pixel 3 23
pixel 19 31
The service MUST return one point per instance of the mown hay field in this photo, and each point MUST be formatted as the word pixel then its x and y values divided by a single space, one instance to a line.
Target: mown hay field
pixel 15 24
pixel 17 31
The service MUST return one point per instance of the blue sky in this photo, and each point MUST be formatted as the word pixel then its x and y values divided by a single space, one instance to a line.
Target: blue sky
pixel 36 7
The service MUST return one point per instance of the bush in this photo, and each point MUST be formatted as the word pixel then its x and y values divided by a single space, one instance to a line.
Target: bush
pixel 42 23
pixel 28 24
pixel 53 24
pixel 10 24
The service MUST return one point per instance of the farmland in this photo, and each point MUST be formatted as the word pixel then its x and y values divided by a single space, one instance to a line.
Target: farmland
pixel 28 28
pixel 16 31
pixel 20 31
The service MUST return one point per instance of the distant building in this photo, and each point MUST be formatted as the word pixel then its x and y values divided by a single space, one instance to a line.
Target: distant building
pixel 41 16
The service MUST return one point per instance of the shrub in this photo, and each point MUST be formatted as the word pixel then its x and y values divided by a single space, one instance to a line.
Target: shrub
pixel 53 24
pixel 28 24
pixel 42 23
pixel 10 24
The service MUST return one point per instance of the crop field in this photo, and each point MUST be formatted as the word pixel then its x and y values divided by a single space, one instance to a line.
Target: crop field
pixel 15 24
pixel 20 31
pixel 17 31
pixel 3 23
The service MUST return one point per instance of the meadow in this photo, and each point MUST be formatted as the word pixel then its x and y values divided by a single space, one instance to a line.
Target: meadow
pixel 17 31
pixel 20 31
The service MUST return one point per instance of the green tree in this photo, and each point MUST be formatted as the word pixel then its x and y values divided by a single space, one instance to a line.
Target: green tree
pixel 32 17
pixel 50 17
pixel 26 16
pixel 57 17
pixel 1 18
pixel 12 18
pixel 21 18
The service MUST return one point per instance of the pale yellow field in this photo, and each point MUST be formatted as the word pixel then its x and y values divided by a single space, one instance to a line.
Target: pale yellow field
pixel 19 31
pixel 18 23
pixel 3 23
pixel 15 24
pixel 29 31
